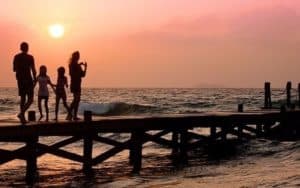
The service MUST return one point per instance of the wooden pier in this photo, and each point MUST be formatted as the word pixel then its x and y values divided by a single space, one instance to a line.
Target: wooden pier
pixel 182 130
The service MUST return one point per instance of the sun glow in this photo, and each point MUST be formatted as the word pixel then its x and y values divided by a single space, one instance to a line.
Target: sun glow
pixel 56 30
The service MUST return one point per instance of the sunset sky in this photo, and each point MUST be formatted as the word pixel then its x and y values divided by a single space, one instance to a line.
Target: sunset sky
pixel 159 43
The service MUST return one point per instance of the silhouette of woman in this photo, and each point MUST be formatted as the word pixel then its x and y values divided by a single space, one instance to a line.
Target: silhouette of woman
pixel 76 73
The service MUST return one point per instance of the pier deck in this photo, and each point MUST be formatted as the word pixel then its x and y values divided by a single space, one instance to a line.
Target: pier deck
pixel 142 129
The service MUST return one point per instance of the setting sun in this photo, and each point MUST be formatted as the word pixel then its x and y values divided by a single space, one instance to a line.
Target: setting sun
pixel 56 30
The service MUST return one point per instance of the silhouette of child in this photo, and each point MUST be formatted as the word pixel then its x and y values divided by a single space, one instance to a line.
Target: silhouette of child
pixel 62 82
pixel 43 94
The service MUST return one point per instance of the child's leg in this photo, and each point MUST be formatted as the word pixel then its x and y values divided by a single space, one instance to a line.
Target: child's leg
pixel 47 109
pixel 40 107
pixel 56 106
pixel 64 98
pixel 76 104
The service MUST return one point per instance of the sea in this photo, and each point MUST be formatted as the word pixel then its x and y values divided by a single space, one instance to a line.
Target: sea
pixel 254 163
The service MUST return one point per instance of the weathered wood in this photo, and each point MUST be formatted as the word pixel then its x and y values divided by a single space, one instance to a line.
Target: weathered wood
pixel 298 94
pixel 183 145
pixel 288 93
pixel 240 107
pixel 213 132
pixel 240 131
pixel 60 153
pixel 175 147
pixel 268 101
pixel 31 116
pixel 31 159
pixel 7 156
pixel 102 157
pixel 87 152
pixel 136 150
pixel 107 141
pixel 87 116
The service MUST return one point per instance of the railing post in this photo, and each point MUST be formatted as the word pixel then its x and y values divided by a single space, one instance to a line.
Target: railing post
pixel 240 131
pixel 31 116
pixel 31 159
pixel 88 143
pixel 240 107
pixel 183 145
pixel 136 147
pixel 175 142
pixel 259 130
pixel 213 132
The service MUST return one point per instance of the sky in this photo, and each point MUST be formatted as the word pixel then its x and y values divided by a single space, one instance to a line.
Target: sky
pixel 158 43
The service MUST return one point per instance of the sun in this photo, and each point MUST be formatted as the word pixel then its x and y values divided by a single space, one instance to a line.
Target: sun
pixel 56 30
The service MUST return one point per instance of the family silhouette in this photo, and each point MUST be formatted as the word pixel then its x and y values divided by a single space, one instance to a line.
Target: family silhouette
pixel 24 67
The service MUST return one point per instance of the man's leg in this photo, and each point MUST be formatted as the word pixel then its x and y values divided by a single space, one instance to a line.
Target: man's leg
pixel 28 103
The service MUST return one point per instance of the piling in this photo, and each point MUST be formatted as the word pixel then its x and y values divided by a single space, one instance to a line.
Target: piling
pixel 299 94
pixel 240 107
pixel 136 150
pixel 175 142
pixel 288 93
pixel 87 143
pixel 268 101
pixel 213 132
pixel 31 159
pixel 183 145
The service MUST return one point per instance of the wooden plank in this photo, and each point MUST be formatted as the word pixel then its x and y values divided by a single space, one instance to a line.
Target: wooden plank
pixel 104 156
pixel 60 153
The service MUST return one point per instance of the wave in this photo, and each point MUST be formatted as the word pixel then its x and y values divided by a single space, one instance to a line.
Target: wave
pixel 198 104
pixel 116 108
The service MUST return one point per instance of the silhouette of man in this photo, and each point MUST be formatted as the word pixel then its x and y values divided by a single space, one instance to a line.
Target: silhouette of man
pixel 24 67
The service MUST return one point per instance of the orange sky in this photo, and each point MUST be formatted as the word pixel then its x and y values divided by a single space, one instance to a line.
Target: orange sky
pixel 155 43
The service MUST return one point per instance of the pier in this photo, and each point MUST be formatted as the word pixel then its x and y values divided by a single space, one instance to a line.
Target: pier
pixel 182 130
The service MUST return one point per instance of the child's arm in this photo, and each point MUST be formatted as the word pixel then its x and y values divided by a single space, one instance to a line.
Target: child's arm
pixel 52 85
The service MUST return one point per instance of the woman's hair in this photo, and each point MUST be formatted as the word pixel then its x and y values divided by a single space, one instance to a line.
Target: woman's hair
pixel 61 71
pixel 43 70
pixel 74 58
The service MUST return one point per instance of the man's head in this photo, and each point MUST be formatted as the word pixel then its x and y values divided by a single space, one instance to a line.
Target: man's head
pixel 24 47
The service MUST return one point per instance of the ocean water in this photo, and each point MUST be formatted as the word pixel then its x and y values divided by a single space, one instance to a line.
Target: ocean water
pixel 255 163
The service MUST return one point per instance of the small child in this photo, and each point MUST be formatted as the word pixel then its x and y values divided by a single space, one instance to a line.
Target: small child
pixel 62 82
pixel 43 94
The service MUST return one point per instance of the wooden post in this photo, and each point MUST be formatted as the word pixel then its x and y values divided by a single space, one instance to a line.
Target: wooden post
pixel 31 116
pixel 88 144
pixel 175 142
pixel 87 116
pixel 268 101
pixel 288 93
pixel 183 145
pixel 224 132
pixel 136 150
pixel 299 94
pixel 240 107
pixel 240 132
pixel 31 159
pixel 259 130
pixel 213 132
